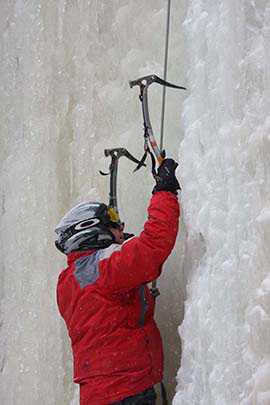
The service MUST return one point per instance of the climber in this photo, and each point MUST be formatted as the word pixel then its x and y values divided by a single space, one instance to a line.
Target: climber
pixel 104 299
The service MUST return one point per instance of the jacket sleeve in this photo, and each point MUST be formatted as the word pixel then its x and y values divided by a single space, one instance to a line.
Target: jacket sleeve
pixel 139 259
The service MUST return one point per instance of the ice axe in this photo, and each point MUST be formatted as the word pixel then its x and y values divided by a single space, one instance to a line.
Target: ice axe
pixel 115 154
pixel 149 139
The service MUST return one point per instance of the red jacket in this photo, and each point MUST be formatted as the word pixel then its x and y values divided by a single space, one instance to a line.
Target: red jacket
pixel 103 297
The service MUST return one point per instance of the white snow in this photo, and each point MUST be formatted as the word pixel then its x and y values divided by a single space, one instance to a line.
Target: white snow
pixel 226 178
pixel 64 98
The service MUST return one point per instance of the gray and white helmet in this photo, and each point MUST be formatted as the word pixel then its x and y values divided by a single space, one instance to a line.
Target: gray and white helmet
pixel 85 227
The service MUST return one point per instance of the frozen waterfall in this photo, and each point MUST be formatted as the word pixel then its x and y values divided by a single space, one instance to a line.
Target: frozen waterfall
pixel 226 184
pixel 64 98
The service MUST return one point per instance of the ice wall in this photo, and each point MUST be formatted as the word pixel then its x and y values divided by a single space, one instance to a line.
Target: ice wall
pixel 64 97
pixel 226 183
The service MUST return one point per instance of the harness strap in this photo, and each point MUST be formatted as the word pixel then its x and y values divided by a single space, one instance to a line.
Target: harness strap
pixel 163 394
pixel 143 300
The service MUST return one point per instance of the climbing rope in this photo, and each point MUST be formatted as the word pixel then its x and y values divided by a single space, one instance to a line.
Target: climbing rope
pixel 165 72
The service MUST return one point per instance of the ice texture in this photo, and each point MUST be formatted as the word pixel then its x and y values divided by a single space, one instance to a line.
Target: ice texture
pixel 64 98
pixel 225 174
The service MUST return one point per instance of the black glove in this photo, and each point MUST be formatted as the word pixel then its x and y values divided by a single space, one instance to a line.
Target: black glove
pixel 166 180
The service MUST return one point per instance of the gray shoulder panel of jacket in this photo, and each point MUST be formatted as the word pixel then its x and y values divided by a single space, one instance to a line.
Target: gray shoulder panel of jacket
pixel 86 270
pixel 106 253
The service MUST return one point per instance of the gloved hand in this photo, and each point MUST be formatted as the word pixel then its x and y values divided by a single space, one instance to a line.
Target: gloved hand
pixel 166 180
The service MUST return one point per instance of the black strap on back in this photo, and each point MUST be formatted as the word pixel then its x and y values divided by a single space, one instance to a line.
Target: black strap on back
pixel 163 394
pixel 144 304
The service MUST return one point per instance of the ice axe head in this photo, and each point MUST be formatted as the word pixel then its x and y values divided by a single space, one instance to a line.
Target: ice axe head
pixel 115 154
pixel 145 81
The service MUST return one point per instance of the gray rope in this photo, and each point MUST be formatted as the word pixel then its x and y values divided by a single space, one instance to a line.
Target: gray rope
pixel 154 283
pixel 165 72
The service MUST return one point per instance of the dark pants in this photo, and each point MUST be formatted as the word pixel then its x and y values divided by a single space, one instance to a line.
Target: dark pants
pixel 147 397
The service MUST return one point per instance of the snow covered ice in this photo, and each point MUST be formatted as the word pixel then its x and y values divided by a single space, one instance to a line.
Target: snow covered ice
pixel 65 97
pixel 226 178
